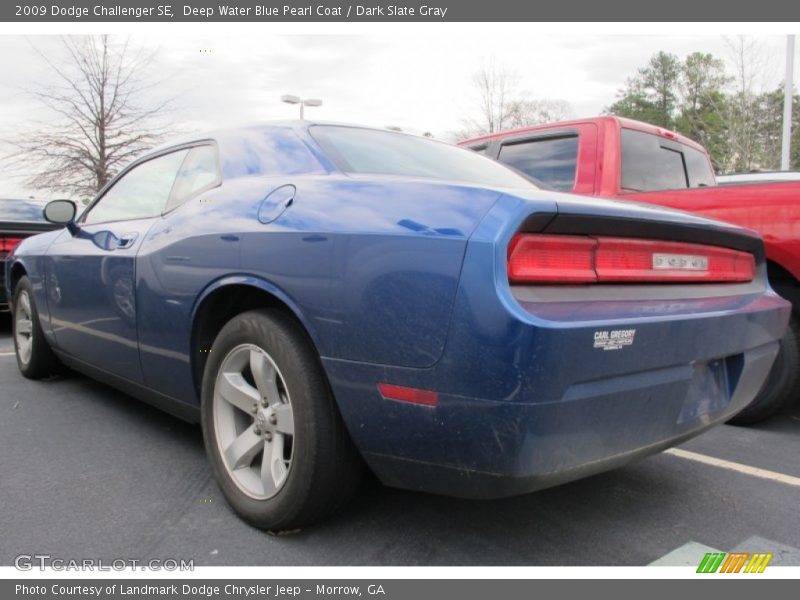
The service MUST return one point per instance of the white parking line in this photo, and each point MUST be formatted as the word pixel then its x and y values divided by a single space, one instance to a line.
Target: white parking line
pixel 6 354
pixel 733 466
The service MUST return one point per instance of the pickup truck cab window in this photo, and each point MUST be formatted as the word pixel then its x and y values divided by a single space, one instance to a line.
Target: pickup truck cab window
pixel 651 163
pixel 698 168
pixel 551 160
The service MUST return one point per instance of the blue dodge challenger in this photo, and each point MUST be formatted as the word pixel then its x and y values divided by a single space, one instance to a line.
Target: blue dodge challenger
pixel 325 297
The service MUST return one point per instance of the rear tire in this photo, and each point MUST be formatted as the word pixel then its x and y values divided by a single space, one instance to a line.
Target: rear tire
pixel 35 359
pixel 782 386
pixel 265 397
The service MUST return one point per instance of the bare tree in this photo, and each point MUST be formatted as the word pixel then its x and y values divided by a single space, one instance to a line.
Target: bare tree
pixel 744 117
pixel 500 104
pixel 99 122
pixel 523 113
pixel 495 86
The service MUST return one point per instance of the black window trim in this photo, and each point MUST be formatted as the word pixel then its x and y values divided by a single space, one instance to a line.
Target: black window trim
pixel 147 158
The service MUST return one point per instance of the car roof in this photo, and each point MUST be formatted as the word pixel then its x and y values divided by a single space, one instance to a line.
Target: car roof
pixel 295 124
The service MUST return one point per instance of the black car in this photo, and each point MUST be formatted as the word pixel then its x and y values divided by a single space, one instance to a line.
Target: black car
pixel 18 219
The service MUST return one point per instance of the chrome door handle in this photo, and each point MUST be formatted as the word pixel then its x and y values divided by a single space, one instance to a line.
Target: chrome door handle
pixel 126 240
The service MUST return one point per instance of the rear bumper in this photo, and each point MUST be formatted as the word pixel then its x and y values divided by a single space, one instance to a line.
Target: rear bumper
pixel 479 449
pixel 456 482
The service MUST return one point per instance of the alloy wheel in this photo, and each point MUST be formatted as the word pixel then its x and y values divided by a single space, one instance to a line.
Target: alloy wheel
pixel 23 327
pixel 254 421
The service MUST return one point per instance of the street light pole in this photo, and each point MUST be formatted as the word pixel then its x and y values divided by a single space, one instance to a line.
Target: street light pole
pixel 289 99
pixel 788 89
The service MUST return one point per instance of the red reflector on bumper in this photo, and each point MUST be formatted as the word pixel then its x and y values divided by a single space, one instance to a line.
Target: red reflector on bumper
pixel 537 258
pixel 407 394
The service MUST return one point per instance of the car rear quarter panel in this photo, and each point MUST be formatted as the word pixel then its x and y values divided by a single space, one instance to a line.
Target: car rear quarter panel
pixel 371 266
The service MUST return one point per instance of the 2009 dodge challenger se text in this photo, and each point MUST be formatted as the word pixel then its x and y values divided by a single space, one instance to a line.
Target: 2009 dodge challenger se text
pixel 324 297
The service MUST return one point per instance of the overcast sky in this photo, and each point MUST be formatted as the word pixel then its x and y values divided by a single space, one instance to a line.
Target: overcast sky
pixel 417 82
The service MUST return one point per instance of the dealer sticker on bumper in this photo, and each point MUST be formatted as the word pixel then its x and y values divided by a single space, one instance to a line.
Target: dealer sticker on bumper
pixel 613 339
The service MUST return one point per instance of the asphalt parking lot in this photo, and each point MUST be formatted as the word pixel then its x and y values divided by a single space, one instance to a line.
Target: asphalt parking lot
pixel 86 472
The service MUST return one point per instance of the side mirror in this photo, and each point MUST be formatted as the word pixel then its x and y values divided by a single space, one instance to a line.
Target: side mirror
pixel 61 212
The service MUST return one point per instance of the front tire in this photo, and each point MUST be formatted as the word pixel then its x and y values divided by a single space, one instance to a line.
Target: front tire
pixel 272 431
pixel 782 386
pixel 35 359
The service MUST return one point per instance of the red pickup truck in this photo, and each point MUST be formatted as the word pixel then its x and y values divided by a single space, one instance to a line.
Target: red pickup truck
pixel 611 157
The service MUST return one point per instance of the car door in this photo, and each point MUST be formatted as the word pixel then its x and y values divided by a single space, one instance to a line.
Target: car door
pixel 90 275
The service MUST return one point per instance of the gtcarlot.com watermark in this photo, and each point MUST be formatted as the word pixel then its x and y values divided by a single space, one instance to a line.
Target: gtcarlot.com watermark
pixel 30 562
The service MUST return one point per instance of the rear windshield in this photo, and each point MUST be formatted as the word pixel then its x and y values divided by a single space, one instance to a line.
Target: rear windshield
pixel 372 151
pixel 650 163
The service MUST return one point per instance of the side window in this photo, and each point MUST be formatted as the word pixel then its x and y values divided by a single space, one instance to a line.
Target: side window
pixel 141 193
pixel 648 165
pixel 553 161
pixel 198 172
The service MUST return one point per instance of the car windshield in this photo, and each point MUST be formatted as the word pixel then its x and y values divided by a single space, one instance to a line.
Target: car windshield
pixel 372 151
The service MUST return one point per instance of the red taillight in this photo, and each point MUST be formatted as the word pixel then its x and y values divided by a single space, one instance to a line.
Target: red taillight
pixel 551 258
pixel 407 394
pixel 537 258
pixel 8 244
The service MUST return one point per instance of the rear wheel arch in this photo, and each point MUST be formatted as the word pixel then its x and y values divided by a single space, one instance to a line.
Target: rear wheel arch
pixel 784 283
pixel 783 382
pixel 17 272
pixel 263 377
pixel 35 358
pixel 223 301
